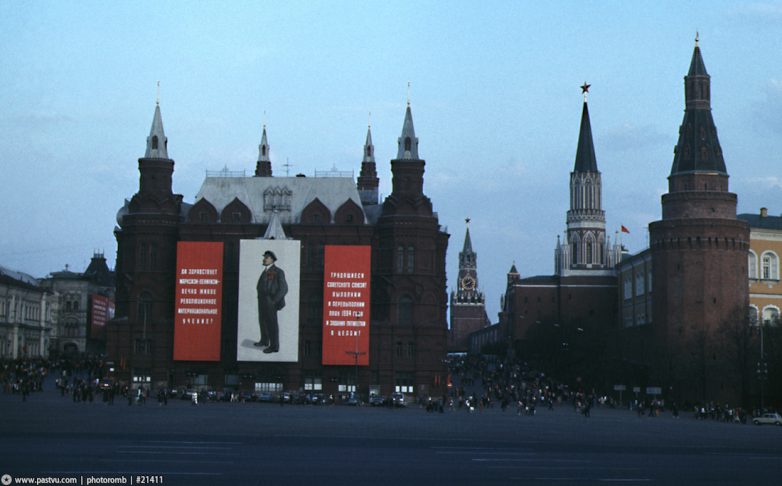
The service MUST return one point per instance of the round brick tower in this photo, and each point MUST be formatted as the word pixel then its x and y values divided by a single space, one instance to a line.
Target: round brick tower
pixel 699 256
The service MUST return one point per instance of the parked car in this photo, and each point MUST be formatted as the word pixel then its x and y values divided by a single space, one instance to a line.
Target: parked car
pixel 398 399
pixel 352 399
pixel 314 399
pixel 245 396
pixel 377 400
pixel 768 418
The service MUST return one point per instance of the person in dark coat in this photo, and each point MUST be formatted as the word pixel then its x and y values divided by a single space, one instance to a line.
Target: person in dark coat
pixel 272 289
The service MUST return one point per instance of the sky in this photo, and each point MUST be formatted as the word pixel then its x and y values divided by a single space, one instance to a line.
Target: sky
pixel 494 91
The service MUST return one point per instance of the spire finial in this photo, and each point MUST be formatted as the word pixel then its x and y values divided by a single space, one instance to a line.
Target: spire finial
pixel 467 222
pixel 696 38
pixel 585 90
pixel 157 99
pixel 408 93
pixel 369 120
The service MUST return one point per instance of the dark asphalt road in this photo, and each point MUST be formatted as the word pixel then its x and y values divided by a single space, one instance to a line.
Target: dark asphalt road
pixel 223 443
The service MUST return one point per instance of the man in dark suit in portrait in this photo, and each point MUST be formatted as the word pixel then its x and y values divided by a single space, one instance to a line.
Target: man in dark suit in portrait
pixel 271 298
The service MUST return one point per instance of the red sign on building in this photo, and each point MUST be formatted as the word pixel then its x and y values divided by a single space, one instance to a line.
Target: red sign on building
pixel 199 301
pixel 101 311
pixel 346 305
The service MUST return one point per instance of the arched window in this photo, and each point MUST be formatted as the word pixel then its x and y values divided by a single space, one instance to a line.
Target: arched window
pixel 408 143
pixel 400 259
pixel 588 252
pixel 575 243
pixel 405 310
pixel 588 196
pixel 145 308
pixel 770 266
pixel 752 266
pixel 627 286
pixel 154 142
pixel 410 259
pixel 753 315
pixel 770 315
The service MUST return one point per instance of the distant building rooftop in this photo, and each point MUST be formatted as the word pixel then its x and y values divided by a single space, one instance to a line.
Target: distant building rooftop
pixel 762 220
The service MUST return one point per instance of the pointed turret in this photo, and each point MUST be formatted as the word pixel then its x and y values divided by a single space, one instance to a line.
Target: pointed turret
pixel 368 181
pixel 513 274
pixel 274 230
pixel 468 259
pixel 408 142
pixel 263 168
pixel 698 148
pixel 157 143
pixel 586 218
pixel 369 149
pixel 585 153
pixel 467 242
pixel 155 171
pixel 407 170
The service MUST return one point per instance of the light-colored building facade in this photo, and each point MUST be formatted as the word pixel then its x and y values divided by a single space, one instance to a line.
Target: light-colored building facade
pixel 27 316
pixel 765 291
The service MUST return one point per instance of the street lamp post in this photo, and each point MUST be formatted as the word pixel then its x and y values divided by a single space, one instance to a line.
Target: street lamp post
pixel 355 355
pixel 762 369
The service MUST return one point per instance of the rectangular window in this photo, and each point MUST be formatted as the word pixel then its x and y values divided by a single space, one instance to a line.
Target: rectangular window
pixel 639 284
pixel 142 375
pixel 268 387
pixel 313 383
pixel 143 346
pixel 405 382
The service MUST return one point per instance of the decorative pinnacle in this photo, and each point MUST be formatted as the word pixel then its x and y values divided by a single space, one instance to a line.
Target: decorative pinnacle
pixel 585 90
pixel 696 38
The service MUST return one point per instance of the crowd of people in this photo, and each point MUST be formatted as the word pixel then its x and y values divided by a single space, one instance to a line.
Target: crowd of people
pixel 481 382
pixel 477 383
pixel 23 376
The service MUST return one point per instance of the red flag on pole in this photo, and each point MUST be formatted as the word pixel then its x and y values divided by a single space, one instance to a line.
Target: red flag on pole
pixel 625 230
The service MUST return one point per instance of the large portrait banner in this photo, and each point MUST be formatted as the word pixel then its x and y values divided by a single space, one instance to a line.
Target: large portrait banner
pixel 346 277
pixel 268 314
pixel 198 306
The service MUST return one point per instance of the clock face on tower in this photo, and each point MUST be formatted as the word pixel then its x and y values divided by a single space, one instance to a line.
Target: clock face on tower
pixel 468 283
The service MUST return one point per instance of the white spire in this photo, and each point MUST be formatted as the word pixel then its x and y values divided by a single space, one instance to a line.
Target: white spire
pixel 369 149
pixel 408 142
pixel 263 148
pixel 157 143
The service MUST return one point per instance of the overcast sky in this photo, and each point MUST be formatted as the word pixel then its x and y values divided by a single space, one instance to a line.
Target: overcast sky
pixel 495 98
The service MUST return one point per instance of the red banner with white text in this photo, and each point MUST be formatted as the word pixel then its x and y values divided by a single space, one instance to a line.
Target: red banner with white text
pixel 199 301
pixel 346 277
pixel 101 311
